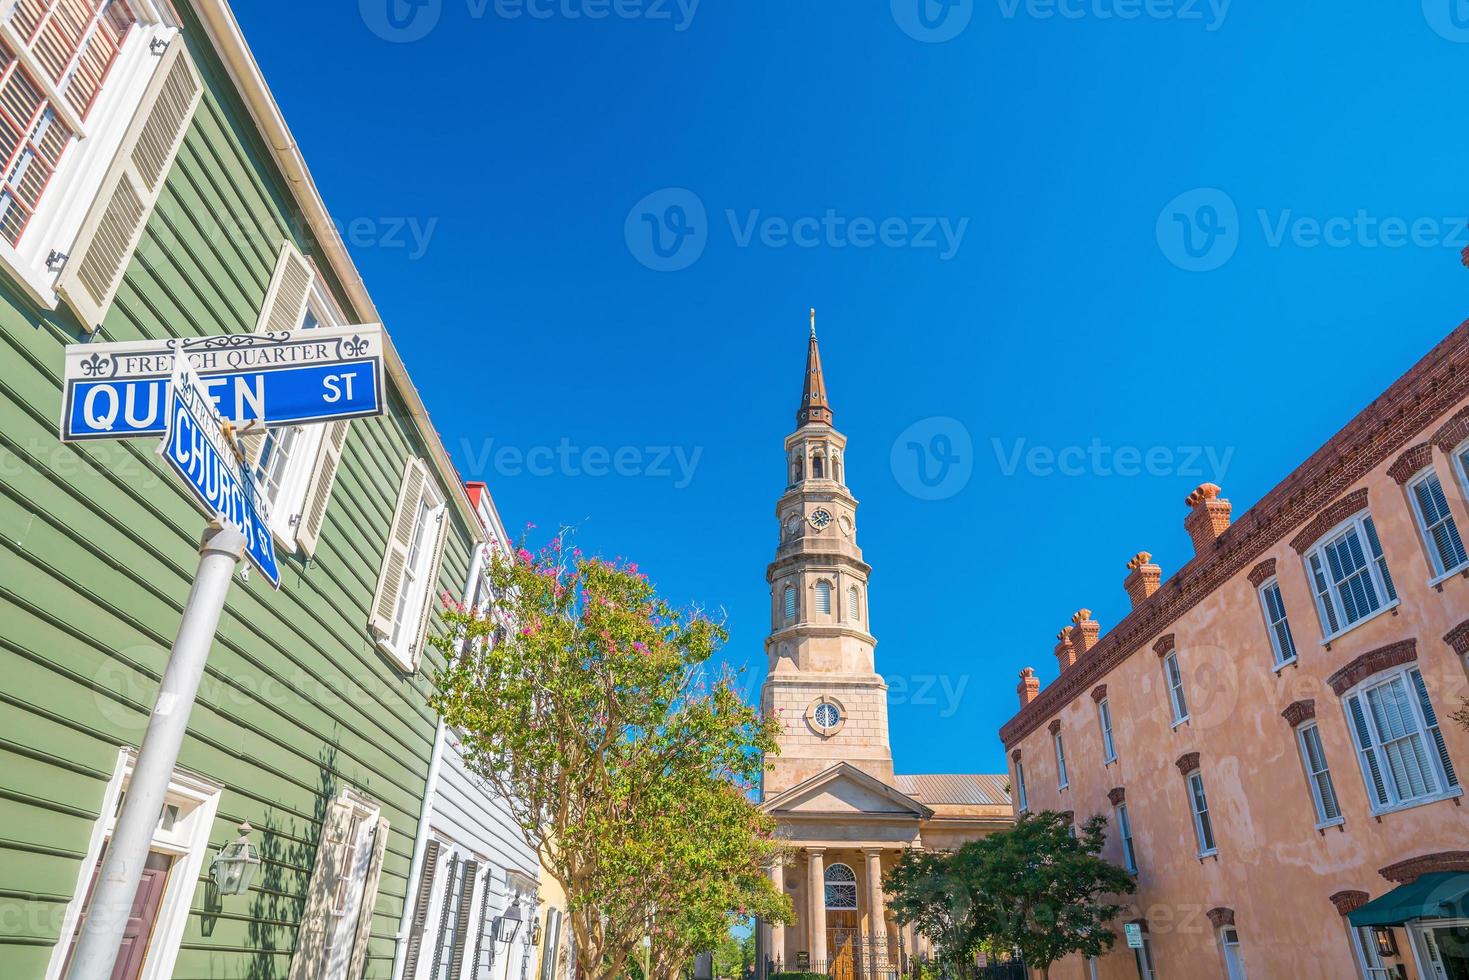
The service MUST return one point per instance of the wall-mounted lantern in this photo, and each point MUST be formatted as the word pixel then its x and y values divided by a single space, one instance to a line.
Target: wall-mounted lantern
pixel 509 923
pixel 233 868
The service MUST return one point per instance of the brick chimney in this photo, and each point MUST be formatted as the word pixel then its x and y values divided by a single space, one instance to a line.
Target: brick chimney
pixel 1084 632
pixel 1207 519
pixel 1065 652
pixel 1029 688
pixel 1143 579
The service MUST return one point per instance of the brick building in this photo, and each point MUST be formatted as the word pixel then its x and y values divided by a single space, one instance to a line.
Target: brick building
pixel 1269 729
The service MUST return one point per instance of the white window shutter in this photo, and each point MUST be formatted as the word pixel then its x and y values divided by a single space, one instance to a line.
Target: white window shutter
pixel 395 556
pixel 419 924
pixel 431 580
pixel 319 490
pixel 114 224
pixel 369 899
pixel 288 294
pixel 307 962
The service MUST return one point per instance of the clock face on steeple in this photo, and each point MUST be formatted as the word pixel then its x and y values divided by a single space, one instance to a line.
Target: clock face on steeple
pixel 820 520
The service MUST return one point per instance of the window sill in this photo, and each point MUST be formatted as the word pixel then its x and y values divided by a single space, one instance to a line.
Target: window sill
pixel 1452 794
pixel 1391 607
pixel 1108 762
pixel 1439 580
pixel 1180 721
pixel 1292 662
pixel 1326 825
pixel 1204 855
pixel 35 284
pixel 391 652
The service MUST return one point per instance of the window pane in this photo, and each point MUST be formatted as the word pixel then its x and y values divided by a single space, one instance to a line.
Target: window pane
pixel 1367 751
pixel 1426 706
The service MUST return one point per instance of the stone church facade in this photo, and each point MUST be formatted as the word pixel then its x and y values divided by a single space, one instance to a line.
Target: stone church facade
pixel 847 816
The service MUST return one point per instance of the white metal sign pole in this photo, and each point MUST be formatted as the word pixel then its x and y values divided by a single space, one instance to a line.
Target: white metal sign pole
pixel 122 869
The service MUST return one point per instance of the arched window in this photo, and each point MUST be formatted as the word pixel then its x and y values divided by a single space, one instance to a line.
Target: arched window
pixel 798 471
pixel 818 467
pixel 790 602
pixel 841 888
pixel 854 603
pixel 823 598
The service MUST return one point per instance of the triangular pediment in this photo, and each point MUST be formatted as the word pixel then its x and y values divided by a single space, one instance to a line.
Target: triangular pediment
pixel 845 789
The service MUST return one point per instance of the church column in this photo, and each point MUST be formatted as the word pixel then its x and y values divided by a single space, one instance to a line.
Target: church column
pixel 876 910
pixel 776 937
pixel 816 908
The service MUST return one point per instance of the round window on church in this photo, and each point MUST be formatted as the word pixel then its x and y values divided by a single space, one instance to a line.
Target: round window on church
pixel 826 717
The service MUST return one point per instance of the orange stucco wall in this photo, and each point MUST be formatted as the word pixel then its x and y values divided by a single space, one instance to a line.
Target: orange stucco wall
pixel 1273 868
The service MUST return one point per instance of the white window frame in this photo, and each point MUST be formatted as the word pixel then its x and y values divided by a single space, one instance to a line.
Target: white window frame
pixel 854 603
pixel 1198 794
pixel 1063 779
pixel 1144 956
pixel 1177 697
pixel 1329 604
pixel 1109 742
pixel 1124 833
pixel 1436 564
pixel 1445 788
pixel 1229 939
pixel 1021 796
pixel 416 577
pixel 342 923
pixel 1282 657
pixel 824 591
pixel 1364 951
pixel 1303 733
pixel 188 841
pixel 78 178
pixel 287 507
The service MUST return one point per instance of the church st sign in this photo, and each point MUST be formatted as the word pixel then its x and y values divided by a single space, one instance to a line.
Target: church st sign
pixel 197 450
pixel 113 391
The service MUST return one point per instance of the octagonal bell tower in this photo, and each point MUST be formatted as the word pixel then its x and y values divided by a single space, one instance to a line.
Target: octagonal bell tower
pixel 822 682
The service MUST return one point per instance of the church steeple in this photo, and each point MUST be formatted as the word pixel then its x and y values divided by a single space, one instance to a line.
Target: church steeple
pixel 814 410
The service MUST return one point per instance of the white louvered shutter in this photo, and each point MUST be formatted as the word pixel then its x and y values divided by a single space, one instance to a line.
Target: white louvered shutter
pixel 431 578
pixel 307 962
pixel 114 224
pixel 319 490
pixel 421 910
pixel 395 555
pixel 290 289
pixel 369 899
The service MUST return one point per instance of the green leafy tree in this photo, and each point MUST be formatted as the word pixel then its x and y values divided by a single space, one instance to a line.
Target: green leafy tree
pixel 584 702
pixel 1035 888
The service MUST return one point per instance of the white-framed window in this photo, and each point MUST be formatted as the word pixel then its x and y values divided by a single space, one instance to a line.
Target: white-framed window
pixel 1062 781
pixel 1104 720
pixel 1349 575
pixel 1400 748
pixel 1318 775
pixel 1369 958
pixel 1199 805
pixel 72 74
pixel 1277 623
pixel 841 888
pixel 1445 547
pixel 1234 966
pixel 854 604
pixel 342 894
pixel 1020 794
pixel 404 598
pixel 1124 831
pixel 823 597
pixel 789 603
pixel 175 860
pixel 1177 701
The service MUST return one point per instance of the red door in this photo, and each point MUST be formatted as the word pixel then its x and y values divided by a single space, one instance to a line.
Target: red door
pixel 141 918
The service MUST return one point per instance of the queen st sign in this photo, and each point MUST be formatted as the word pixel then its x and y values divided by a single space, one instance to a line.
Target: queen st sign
pixel 291 377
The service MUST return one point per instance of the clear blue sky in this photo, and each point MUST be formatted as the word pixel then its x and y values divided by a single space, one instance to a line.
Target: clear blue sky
pixel 1066 309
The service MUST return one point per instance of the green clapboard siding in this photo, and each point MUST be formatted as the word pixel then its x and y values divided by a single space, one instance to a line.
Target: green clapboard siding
pixel 97 548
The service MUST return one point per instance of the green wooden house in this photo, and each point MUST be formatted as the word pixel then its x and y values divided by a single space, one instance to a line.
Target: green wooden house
pixel 151 190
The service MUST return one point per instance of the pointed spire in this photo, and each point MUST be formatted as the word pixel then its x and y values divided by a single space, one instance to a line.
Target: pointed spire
pixel 814 410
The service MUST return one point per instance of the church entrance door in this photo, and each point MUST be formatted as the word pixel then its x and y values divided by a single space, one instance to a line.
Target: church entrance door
pixel 844 943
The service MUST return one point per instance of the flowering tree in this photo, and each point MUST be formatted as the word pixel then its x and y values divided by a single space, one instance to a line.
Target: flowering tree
pixel 584 703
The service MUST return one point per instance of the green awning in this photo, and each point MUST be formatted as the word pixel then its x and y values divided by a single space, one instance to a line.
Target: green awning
pixel 1440 895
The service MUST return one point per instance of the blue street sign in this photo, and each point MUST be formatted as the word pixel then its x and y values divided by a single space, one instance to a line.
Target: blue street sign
pixel 196 449
pixel 120 391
